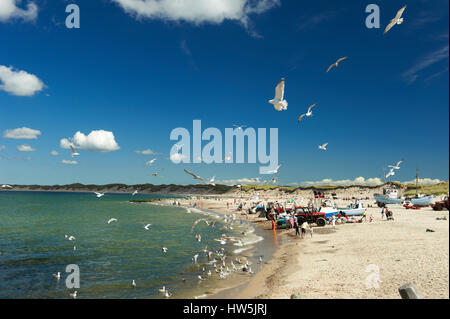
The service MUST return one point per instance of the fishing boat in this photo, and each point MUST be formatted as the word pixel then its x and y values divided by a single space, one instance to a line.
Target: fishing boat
pixel 353 210
pixel 329 211
pixel 420 200
pixel 389 196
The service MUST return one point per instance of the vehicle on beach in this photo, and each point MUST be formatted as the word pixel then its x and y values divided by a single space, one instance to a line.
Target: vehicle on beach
pixel 352 210
pixel 438 206
pixel 389 196
pixel 280 215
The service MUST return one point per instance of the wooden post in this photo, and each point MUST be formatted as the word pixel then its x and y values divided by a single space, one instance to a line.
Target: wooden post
pixel 408 291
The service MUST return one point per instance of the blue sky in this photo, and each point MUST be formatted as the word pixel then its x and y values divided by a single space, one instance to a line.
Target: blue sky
pixel 141 76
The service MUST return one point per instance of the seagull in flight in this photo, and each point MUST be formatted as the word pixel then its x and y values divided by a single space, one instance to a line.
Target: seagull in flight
pixel 163 289
pixel 99 194
pixel 73 295
pixel 7 186
pixel 397 166
pixel 397 20
pixel 275 171
pixel 134 193
pixel 164 250
pixel 150 163
pixel 112 220
pixel 279 103
pixel 391 173
pixel 211 181
pixel 147 226
pixel 72 238
pixel 57 276
pixel 133 284
pixel 195 176
pixel 308 114
pixel 323 147
pixel 154 174
pixel 336 63
pixel 239 127
pixel 229 157
pixel 74 153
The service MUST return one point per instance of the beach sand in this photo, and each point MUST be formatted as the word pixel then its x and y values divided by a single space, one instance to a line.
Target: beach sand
pixel 341 263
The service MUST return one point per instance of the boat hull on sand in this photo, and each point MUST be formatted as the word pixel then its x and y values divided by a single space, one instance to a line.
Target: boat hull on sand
pixel 384 199
pixel 422 201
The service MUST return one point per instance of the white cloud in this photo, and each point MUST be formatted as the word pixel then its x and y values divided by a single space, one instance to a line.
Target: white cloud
pixel 69 162
pixel 25 148
pixel 54 153
pixel 412 74
pixel 197 11
pixel 176 157
pixel 10 10
pixel 20 83
pixel 23 133
pixel 242 181
pixel 96 141
pixel 2 147
pixel 346 182
pixel 146 152
pixel 425 181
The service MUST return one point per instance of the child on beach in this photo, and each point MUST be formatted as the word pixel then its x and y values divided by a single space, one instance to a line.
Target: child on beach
pixel 382 213
pixel 371 218
pixel 311 231
pixel 297 230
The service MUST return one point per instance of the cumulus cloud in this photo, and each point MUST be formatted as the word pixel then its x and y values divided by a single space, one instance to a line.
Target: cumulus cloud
pixel 197 11
pixel 96 141
pixel 25 148
pixel 176 157
pixel 69 162
pixel 9 11
pixel 425 181
pixel 241 181
pixel 54 153
pixel 20 83
pixel 23 133
pixel 346 182
pixel 146 152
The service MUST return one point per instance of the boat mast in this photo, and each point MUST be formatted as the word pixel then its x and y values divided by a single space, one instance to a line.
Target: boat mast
pixel 417 179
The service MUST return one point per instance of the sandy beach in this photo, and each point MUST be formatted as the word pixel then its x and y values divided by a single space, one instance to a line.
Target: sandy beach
pixel 342 262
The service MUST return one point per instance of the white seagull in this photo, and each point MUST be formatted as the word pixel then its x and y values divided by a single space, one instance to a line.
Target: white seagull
pixel 133 284
pixel 279 103
pixel 6 186
pixel 323 147
pixel 229 157
pixel 211 181
pixel 112 220
pixel 397 20
pixel 99 194
pixel 164 250
pixel 74 153
pixel 397 166
pixel 239 127
pixel 72 238
pixel 308 114
pixel 73 295
pixel 57 276
pixel 195 176
pixel 147 226
pixel 275 171
pixel 134 193
pixel 391 173
pixel 336 63
pixel 163 289
pixel 150 163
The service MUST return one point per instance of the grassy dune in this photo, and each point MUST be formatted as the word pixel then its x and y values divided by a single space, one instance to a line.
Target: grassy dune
pixel 436 189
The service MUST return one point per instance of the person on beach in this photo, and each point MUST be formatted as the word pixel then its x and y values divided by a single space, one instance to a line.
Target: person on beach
pixel 371 218
pixel 382 213
pixel 333 221
pixel 304 226
pixel 311 231
pixel 297 230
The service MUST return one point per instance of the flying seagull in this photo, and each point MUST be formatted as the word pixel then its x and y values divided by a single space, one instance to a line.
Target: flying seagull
pixel 99 194
pixel 147 226
pixel 133 284
pixel 308 114
pixel 391 173
pixel 154 174
pixel 229 157
pixel 7 186
pixel 397 20
pixel 275 171
pixel 112 220
pixel 239 127
pixel 164 250
pixel 397 166
pixel 279 103
pixel 323 147
pixel 195 176
pixel 134 193
pixel 211 181
pixel 336 63
pixel 57 276
pixel 74 153
pixel 150 163
pixel 73 295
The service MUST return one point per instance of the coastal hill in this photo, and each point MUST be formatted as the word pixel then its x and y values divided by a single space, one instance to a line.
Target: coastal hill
pixel 263 190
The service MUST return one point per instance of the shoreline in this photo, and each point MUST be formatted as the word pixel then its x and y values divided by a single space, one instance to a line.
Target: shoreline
pixel 338 263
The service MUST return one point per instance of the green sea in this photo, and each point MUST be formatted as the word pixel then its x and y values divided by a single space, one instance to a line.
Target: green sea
pixel 33 246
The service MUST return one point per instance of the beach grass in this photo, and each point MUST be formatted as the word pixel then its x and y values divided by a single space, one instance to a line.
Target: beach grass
pixel 435 189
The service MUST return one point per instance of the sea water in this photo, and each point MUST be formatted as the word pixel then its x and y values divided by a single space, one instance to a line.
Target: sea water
pixel 33 246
